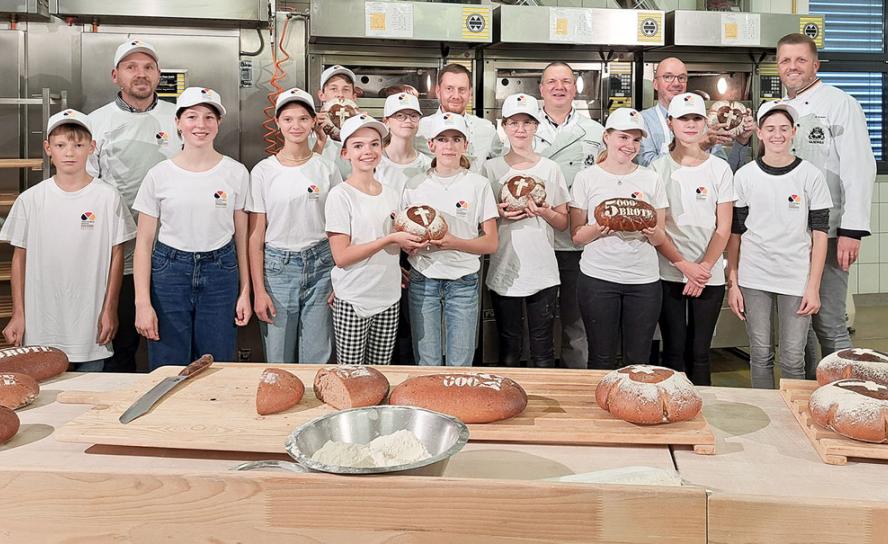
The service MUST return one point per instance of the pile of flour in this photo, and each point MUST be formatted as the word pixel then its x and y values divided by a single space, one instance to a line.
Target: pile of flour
pixel 398 448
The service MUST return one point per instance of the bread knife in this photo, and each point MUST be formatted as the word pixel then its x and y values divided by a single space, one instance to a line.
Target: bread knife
pixel 149 399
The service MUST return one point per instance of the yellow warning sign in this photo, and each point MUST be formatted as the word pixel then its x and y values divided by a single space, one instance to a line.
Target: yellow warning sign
pixel 813 27
pixel 477 21
pixel 650 27
pixel 377 21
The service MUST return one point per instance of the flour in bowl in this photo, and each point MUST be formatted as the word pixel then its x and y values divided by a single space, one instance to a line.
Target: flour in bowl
pixel 398 448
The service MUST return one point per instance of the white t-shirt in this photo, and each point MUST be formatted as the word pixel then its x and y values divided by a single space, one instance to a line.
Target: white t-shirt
pixel 626 258
pixel 195 209
pixel 465 200
pixel 396 175
pixel 694 193
pixel 524 262
pixel 775 250
pixel 68 237
pixel 374 284
pixel 292 199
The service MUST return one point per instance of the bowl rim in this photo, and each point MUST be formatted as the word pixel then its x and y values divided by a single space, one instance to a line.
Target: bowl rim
pixel 300 457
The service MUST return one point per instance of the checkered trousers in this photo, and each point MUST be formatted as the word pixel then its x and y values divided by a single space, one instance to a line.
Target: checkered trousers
pixel 364 340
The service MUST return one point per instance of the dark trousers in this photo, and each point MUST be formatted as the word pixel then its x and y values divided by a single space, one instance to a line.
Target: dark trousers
pixel 509 313
pixel 687 325
pixel 126 342
pixel 614 310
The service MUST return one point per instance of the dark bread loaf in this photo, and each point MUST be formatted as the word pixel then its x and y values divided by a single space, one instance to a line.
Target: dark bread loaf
pixel 423 221
pixel 473 398
pixel 278 390
pixel 17 390
pixel 730 114
pixel 854 363
pixel 9 424
pixel 350 386
pixel 625 215
pixel 519 190
pixel 338 110
pixel 648 395
pixel 39 362
pixel 853 408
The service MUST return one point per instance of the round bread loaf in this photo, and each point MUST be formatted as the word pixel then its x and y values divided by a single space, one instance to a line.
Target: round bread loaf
pixel 423 221
pixel 278 390
pixel 39 362
pixel 473 398
pixel 625 215
pixel 338 110
pixel 853 408
pixel 729 113
pixel 519 190
pixel 17 390
pixel 350 386
pixel 9 424
pixel 854 363
pixel 648 395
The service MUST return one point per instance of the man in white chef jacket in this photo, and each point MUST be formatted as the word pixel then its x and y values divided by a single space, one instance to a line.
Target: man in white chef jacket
pixel 832 134
pixel 454 91
pixel 133 132
pixel 671 79
pixel 573 141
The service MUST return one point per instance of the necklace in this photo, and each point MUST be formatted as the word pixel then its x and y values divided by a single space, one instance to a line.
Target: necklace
pixel 295 159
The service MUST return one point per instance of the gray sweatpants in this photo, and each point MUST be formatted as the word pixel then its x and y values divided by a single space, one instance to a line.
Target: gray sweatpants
pixel 792 334
pixel 829 326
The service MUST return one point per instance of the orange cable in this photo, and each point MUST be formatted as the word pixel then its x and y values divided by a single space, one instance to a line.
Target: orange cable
pixel 272 135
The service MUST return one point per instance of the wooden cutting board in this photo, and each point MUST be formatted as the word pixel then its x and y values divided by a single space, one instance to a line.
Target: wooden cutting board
pixel 217 411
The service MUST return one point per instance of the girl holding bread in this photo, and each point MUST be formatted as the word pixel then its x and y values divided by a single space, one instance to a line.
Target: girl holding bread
pixel 193 285
pixel 290 259
pixel 618 289
pixel 367 277
pixel 700 189
pixel 444 280
pixel 778 246
pixel 524 269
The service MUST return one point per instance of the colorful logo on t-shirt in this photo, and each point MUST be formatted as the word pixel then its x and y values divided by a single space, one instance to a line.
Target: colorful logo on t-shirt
pixel 794 201
pixel 702 193
pixel 87 220
pixel 221 198
pixel 462 208
pixel 162 137
pixel 637 195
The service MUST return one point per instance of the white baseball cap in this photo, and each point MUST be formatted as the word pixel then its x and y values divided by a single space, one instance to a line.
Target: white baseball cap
pixel 193 96
pixel 626 119
pixel 336 70
pixel 687 104
pixel 134 46
pixel 442 122
pixel 357 122
pixel 68 117
pixel 777 105
pixel 294 95
pixel 400 102
pixel 522 103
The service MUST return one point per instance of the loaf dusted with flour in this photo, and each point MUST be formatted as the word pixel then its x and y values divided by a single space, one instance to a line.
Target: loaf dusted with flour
pixel 854 408
pixel 729 113
pixel 350 386
pixel 423 221
pixel 648 395
pixel 278 390
pixel 338 111
pixel 9 424
pixel 625 215
pixel 854 363
pixel 518 191
pixel 473 398
pixel 39 362
pixel 17 390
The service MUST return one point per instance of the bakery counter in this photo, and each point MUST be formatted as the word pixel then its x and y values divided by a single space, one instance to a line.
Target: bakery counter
pixel 767 483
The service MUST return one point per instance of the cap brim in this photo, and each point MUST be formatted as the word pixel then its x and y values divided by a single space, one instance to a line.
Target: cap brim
pixel 378 126
pixel 623 128
pixel 150 52
pixel 401 108
pixel 342 71
pixel 61 122
pixel 538 115
pixel 782 107
pixel 291 99
pixel 219 107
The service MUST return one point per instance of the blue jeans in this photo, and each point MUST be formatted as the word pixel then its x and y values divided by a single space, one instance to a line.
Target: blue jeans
pixel 298 283
pixel 450 306
pixel 194 296
pixel 96 365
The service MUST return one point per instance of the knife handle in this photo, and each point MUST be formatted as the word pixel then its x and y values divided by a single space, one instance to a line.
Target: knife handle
pixel 197 366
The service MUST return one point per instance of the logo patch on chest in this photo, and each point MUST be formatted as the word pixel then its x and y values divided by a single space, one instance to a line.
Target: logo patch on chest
pixel 314 192
pixel 462 209
pixel 87 220
pixel 816 136
pixel 795 202
pixel 221 198
pixel 702 193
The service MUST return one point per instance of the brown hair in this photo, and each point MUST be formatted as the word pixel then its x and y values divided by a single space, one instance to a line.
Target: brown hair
pixel 289 106
pixel 455 69
pixel 464 162
pixel 343 77
pixel 70 131
pixel 761 151
pixel 216 111
pixel 798 39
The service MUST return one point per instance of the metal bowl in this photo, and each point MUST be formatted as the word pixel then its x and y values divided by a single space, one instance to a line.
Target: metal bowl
pixel 442 435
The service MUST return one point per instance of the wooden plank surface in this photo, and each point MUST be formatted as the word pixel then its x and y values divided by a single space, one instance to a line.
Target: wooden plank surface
pixel 5 306
pixel 33 164
pixel 216 411
pixel 321 508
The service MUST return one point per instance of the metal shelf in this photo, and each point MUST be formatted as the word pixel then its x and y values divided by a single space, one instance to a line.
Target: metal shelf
pixel 5 271
pixel 5 306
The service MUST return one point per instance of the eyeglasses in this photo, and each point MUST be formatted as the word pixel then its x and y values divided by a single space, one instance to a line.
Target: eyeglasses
pixel 401 117
pixel 520 124
pixel 669 78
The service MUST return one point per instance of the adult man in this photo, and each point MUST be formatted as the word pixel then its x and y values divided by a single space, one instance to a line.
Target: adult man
pixel 454 92
pixel 133 133
pixel 831 134
pixel 573 141
pixel 671 79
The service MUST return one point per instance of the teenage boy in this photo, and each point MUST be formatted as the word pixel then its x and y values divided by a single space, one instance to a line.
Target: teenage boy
pixel 337 82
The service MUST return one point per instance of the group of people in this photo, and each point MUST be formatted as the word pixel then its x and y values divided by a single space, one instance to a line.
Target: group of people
pixel 306 241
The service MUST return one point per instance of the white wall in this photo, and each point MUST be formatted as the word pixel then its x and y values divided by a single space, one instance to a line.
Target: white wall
pixel 870 273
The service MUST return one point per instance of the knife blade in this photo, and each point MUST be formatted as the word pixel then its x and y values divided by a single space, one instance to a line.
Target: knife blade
pixel 149 399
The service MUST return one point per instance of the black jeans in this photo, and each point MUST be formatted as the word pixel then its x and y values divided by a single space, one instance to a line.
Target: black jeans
pixel 687 325
pixel 126 341
pixel 509 313
pixel 614 310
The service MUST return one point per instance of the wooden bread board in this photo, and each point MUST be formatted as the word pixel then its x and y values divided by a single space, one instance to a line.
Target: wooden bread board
pixel 833 448
pixel 217 411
